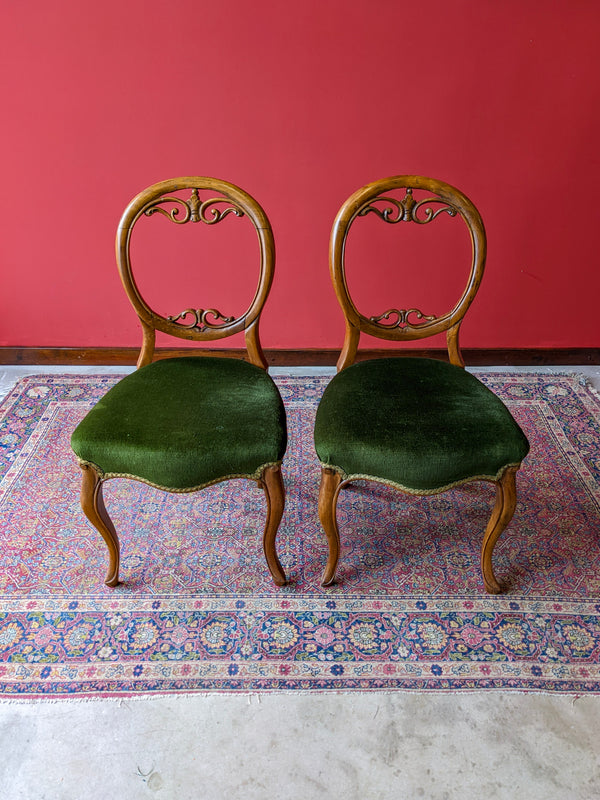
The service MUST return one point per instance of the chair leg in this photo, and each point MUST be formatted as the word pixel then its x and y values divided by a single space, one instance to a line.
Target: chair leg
pixel 92 504
pixel 506 501
pixel 328 495
pixel 272 482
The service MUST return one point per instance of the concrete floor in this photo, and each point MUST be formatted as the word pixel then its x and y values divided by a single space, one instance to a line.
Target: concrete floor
pixel 356 746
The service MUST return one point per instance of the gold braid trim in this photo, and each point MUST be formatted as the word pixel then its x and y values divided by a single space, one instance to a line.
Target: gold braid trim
pixel 106 476
pixel 419 492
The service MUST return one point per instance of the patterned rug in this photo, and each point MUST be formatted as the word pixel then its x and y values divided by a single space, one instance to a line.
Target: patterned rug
pixel 197 611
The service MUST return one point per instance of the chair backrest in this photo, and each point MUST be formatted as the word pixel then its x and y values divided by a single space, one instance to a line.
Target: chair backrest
pixel 408 323
pixel 219 201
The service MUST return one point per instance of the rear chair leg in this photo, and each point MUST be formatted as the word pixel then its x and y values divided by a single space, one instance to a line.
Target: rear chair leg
pixel 328 495
pixel 92 504
pixel 506 501
pixel 272 482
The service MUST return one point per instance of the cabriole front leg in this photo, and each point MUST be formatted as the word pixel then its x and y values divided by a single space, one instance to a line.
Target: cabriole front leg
pixel 506 501
pixel 328 495
pixel 272 482
pixel 92 504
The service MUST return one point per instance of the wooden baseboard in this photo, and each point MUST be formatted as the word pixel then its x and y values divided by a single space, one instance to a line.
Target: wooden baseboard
pixel 123 356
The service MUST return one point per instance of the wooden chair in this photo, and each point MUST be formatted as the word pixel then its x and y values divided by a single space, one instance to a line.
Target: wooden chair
pixel 421 425
pixel 181 424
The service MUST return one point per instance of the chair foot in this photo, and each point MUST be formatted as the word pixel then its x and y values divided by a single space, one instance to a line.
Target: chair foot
pixel 92 504
pixel 328 495
pixel 272 482
pixel 506 501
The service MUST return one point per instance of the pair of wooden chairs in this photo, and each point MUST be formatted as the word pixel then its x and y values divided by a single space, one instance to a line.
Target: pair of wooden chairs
pixel 181 424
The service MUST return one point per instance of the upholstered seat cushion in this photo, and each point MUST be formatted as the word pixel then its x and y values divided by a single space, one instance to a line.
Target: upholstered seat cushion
pixel 420 423
pixel 183 423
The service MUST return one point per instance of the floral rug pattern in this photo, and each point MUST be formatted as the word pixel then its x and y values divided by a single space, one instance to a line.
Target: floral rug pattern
pixel 197 611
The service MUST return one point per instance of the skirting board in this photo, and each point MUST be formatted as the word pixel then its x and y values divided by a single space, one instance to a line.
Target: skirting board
pixel 293 358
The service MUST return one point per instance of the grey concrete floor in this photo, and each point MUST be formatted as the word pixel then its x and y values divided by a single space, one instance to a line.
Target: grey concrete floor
pixel 359 747
pixel 356 746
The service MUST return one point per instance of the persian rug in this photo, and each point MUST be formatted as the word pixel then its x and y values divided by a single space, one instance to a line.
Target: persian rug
pixel 197 611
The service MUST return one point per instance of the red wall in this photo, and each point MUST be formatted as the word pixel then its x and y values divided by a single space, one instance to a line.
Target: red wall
pixel 299 103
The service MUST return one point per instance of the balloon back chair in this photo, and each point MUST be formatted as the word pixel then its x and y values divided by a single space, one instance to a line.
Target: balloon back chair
pixel 182 424
pixel 418 424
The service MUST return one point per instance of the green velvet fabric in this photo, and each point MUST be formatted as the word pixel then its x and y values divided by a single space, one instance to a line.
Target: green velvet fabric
pixel 182 423
pixel 417 422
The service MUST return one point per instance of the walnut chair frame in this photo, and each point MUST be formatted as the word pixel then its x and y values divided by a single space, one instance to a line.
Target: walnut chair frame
pixel 205 325
pixel 403 325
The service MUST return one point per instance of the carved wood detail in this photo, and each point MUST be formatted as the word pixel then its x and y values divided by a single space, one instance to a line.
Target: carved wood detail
pixel 201 321
pixel 401 315
pixel 194 209
pixel 407 209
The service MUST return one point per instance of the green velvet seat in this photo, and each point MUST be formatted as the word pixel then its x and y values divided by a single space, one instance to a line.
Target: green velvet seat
pixel 421 424
pixel 181 424
pixel 184 423
pixel 418 424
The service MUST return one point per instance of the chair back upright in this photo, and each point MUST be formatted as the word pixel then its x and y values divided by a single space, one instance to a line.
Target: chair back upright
pixel 405 324
pixel 210 202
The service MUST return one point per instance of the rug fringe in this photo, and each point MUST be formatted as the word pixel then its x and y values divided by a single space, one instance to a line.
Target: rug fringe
pixel 586 382
pixel 254 698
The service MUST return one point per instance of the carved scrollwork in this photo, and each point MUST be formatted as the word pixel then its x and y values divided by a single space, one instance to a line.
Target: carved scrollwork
pixel 200 319
pixel 401 320
pixel 200 209
pixel 172 213
pixel 194 209
pixel 407 209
